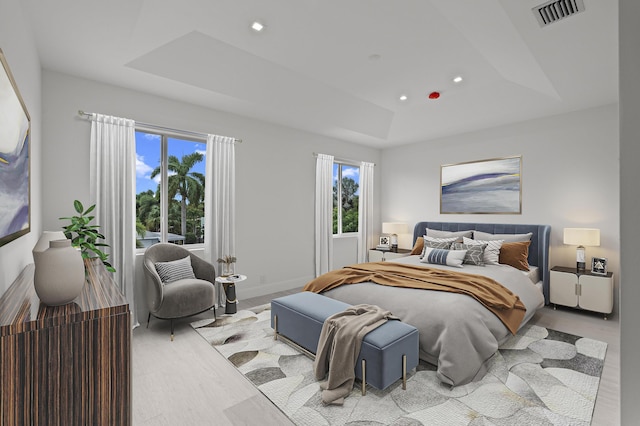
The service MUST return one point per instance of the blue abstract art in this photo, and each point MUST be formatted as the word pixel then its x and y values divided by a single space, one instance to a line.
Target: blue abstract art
pixel 15 125
pixel 486 186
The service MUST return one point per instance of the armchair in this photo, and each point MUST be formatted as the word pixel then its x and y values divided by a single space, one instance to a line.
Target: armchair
pixel 181 298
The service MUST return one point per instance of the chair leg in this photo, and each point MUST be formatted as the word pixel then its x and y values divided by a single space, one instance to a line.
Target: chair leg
pixel 171 330
pixel 148 319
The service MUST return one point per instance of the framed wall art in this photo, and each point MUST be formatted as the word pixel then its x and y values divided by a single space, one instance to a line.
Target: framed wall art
pixel 599 265
pixel 492 186
pixel 15 132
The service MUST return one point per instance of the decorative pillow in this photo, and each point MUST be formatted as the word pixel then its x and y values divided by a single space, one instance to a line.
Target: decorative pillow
pixel 448 234
pixel 507 238
pixel 444 257
pixel 475 253
pixel 491 252
pixel 515 254
pixel 418 247
pixel 437 243
pixel 175 270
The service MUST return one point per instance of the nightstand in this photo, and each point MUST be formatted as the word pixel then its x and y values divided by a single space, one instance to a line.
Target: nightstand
pixel 583 290
pixel 376 255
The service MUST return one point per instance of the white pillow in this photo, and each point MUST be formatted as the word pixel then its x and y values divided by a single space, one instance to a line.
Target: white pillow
pixel 491 253
pixel 444 257
pixel 507 238
pixel 448 234
pixel 175 270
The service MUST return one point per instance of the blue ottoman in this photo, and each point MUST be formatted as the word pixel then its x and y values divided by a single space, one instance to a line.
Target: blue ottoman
pixel 386 354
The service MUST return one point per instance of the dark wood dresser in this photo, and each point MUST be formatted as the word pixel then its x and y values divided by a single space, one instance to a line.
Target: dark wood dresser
pixel 65 365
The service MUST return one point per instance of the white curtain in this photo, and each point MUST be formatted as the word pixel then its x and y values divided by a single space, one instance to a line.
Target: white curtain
pixel 220 199
pixel 365 211
pixel 324 214
pixel 112 180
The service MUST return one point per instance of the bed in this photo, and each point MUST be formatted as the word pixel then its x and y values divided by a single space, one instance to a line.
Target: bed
pixel 457 333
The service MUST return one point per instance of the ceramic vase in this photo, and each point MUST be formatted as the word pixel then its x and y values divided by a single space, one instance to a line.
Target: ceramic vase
pixel 59 276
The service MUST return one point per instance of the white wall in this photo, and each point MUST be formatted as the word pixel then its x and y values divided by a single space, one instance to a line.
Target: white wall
pixel 17 43
pixel 275 172
pixel 569 177
pixel 629 208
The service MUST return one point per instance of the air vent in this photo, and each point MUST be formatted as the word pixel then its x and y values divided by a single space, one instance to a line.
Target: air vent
pixel 554 11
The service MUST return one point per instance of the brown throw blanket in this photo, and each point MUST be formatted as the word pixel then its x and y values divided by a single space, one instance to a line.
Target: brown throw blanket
pixel 339 347
pixel 491 294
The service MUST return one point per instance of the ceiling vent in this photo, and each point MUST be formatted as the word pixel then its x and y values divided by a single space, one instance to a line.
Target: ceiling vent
pixel 555 10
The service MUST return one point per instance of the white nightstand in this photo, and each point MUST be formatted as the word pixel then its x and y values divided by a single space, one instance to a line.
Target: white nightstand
pixel 382 255
pixel 583 290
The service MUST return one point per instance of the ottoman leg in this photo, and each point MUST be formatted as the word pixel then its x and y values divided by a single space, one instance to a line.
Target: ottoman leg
pixel 404 372
pixel 364 377
pixel 275 327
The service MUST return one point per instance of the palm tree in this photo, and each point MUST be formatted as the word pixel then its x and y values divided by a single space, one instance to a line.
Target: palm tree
pixel 182 182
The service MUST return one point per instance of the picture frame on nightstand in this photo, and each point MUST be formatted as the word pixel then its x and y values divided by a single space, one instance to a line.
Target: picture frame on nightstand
pixel 384 242
pixel 599 265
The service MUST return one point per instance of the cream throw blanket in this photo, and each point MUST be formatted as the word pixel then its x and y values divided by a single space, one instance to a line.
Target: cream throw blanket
pixel 339 347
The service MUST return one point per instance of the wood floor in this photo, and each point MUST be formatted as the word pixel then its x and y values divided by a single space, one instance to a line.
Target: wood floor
pixel 186 382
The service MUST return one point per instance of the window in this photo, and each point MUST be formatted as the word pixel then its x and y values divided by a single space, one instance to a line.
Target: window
pixel 170 193
pixel 346 182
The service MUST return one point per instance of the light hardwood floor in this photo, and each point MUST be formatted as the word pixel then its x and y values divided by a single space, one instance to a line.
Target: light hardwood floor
pixel 186 382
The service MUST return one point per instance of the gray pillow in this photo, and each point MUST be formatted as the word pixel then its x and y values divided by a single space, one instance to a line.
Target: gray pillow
pixel 448 234
pixel 175 270
pixel 436 243
pixel 508 238
pixel 474 255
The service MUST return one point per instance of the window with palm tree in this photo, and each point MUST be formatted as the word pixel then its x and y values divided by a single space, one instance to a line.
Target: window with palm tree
pixel 346 195
pixel 170 193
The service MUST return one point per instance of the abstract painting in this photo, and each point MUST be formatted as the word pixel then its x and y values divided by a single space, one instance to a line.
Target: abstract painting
pixel 15 130
pixel 485 186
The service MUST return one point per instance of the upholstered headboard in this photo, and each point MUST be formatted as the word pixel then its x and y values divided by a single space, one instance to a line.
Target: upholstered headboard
pixel 538 250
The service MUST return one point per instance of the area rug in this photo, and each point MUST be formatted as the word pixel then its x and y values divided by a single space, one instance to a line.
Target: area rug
pixel 538 377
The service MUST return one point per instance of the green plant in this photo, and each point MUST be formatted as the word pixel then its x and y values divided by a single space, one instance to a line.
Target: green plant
pixel 85 236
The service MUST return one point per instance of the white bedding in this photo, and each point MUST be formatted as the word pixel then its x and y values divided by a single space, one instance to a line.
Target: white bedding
pixel 457 333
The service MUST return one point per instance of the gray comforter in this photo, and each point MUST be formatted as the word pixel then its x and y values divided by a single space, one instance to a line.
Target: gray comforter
pixel 457 334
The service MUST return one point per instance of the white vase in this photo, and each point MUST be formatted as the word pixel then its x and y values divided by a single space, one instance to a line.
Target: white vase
pixel 59 276
pixel 43 242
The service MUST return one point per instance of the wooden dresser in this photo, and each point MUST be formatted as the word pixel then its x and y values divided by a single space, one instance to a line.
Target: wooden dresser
pixel 65 365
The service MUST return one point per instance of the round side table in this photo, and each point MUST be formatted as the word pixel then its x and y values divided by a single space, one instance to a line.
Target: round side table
pixel 229 284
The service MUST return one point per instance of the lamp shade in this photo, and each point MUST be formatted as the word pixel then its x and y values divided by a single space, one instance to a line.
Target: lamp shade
pixel 394 228
pixel 582 236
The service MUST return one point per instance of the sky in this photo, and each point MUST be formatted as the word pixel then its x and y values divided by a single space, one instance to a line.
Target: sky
pixel 148 157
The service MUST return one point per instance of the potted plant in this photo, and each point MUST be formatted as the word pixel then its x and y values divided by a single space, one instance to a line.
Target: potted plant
pixel 85 236
pixel 228 265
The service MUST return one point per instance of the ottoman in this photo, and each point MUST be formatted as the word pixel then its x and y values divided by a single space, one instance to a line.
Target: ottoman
pixel 386 354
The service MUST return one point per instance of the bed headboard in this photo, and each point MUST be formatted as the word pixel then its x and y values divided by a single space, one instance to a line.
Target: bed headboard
pixel 538 250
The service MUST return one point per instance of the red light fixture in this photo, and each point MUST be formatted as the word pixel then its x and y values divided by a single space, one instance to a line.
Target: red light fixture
pixel 434 95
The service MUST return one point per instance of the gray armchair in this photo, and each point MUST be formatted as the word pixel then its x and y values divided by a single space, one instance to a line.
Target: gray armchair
pixel 181 298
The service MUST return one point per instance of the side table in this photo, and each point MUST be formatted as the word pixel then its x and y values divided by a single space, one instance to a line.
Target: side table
pixel 229 284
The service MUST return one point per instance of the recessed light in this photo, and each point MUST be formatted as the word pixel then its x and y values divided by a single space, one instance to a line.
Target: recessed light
pixel 375 57
pixel 403 97
pixel 257 26
pixel 457 79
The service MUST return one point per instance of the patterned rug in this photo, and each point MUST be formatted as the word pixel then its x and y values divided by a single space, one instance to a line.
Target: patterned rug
pixel 538 377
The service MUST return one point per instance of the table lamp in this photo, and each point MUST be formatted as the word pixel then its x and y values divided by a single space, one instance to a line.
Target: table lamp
pixel 393 229
pixel 581 237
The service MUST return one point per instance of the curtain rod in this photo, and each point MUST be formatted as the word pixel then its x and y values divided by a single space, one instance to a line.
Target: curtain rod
pixel 343 160
pixel 88 115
